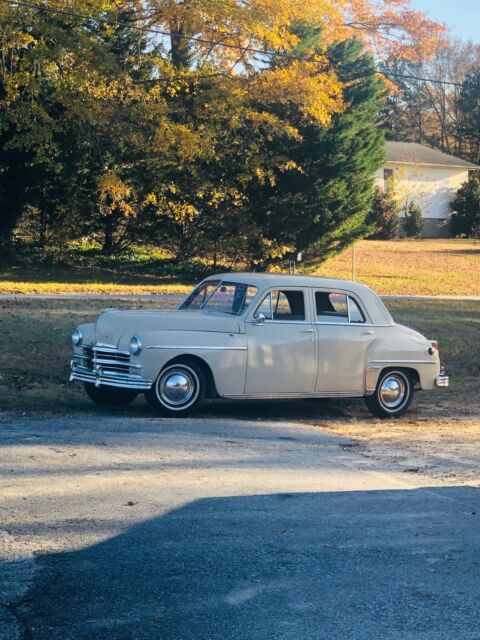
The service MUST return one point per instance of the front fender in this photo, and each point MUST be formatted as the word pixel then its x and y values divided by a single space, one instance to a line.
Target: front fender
pixel 224 353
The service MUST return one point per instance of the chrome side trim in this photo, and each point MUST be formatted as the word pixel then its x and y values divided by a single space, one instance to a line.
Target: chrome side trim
pixel 352 324
pixel 299 394
pixel 193 347
pixel 371 377
pixel 275 322
pixel 401 362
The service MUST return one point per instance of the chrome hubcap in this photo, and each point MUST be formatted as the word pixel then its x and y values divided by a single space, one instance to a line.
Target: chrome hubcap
pixel 176 387
pixel 393 391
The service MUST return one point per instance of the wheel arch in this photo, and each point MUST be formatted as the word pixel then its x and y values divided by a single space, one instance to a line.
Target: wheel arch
pixel 373 374
pixel 414 373
pixel 211 389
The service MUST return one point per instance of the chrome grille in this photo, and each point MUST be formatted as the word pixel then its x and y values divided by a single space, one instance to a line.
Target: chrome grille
pixel 107 358
pixel 111 359
pixel 104 365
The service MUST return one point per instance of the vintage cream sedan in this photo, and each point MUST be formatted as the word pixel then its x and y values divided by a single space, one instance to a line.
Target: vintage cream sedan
pixel 257 335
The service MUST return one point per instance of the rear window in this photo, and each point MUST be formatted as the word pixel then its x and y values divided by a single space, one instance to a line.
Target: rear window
pixel 339 308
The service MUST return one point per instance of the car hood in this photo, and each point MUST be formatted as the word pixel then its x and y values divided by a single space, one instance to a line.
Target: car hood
pixel 113 324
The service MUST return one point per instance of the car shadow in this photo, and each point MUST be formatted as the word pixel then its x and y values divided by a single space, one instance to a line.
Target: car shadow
pixel 296 566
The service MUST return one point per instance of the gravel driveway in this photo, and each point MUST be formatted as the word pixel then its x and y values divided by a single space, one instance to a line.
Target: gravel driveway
pixel 131 527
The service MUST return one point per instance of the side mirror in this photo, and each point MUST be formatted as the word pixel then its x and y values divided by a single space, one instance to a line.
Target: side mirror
pixel 260 319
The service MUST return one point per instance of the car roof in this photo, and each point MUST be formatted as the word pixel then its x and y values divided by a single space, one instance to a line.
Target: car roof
pixel 287 280
pixel 377 311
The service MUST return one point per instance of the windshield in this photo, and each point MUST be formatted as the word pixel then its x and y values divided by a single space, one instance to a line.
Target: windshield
pixel 220 295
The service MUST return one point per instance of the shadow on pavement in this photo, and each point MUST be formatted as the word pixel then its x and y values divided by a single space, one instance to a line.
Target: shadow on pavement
pixel 348 565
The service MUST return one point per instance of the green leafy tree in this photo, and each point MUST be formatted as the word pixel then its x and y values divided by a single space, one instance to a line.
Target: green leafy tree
pixel 383 216
pixel 413 221
pixel 465 219
pixel 318 201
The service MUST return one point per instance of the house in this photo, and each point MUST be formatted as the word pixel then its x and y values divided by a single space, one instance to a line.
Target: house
pixel 427 177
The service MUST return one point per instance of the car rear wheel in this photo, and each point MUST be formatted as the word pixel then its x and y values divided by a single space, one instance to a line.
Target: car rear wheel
pixel 178 389
pixel 110 396
pixel 393 394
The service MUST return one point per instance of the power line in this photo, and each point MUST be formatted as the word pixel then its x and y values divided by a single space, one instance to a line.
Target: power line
pixel 160 32
pixel 404 76
pixel 205 41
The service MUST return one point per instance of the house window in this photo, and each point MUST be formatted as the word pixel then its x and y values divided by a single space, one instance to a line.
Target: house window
pixel 388 179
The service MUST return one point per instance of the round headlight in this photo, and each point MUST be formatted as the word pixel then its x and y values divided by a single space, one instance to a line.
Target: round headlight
pixel 135 346
pixel 77 337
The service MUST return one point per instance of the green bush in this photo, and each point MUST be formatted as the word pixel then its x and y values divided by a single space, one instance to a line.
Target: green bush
pixel 465 219
pixel 413 223
pixel 384 216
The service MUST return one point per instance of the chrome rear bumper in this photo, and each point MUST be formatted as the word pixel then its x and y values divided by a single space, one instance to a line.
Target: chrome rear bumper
pixel 442 380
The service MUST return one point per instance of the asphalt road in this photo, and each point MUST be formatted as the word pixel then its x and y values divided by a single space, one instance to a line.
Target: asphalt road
pixel 218 528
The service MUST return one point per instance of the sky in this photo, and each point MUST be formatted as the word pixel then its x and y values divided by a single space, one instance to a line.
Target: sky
pixel 461 16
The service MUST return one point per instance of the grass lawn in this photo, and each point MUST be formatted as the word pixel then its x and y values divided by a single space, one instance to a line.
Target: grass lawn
pixel 35 356
pixel 412 267
pixel 409 267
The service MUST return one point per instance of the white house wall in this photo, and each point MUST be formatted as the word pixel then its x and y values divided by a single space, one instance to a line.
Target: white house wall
pixel 432 188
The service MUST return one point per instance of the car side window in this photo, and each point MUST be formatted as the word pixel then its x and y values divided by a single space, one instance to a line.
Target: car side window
pixel 354 312
pixel 338 308
pixel 286 305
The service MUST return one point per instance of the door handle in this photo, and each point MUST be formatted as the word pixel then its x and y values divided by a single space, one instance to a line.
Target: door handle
pixel 368 333
pixel 307 330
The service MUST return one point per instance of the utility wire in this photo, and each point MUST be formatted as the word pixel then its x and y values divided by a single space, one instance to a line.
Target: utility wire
pixel 205 41
pixel 160 32
pixel 403 76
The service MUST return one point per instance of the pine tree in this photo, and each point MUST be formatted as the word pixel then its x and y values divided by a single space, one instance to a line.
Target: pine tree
pixel 413 223
pixel 321 208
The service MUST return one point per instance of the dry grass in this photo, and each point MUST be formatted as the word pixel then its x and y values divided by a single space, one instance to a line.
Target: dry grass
pixel 111 288
pixel 412 267
pixel 409 267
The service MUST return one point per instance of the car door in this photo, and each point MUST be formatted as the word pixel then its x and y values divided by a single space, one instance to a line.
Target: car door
pixel 281 344
pixel 343 333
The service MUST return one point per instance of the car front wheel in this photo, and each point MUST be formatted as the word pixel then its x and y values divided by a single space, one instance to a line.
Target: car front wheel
pixel 393 394
pixel 178 389
pixel 110 396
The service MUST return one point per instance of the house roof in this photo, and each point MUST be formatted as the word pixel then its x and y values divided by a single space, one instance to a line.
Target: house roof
pixel 413 153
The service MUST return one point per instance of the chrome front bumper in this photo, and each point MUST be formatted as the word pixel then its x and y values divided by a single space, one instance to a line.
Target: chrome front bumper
pixel 106 366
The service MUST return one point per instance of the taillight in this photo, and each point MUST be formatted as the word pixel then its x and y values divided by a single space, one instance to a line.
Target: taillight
pixel 434 348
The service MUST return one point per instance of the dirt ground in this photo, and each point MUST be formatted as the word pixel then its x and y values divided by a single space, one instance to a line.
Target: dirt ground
pixel 443 448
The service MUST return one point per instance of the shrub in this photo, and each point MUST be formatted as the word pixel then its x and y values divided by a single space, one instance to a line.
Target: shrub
pixel 383 215
pixel 413 224
pixel 465 219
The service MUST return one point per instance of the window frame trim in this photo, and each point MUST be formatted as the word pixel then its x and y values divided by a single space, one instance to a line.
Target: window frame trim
pixel 269 291
pixel 367 320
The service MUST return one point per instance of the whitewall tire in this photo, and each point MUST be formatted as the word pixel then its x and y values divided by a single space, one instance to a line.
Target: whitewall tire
pixel 393 394
pixel 178 389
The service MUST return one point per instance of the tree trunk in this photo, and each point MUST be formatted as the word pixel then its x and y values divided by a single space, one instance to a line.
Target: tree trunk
pixel 108 237
pixel 180 52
